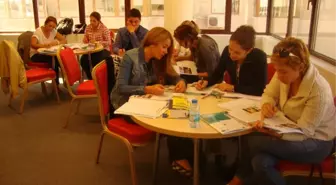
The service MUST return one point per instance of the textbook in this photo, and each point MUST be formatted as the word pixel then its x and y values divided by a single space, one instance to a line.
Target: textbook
pixel 143 106
pixel 223 123
pixel 249 111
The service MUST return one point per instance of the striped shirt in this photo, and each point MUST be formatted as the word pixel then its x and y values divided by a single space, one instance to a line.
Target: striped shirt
pixel 101 35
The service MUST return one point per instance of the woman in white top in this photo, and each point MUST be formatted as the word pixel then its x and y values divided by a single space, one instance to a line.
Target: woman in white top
pixel 303 96
pixel 44 37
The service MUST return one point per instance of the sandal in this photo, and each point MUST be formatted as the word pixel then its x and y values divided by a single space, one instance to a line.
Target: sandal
pixel 181 170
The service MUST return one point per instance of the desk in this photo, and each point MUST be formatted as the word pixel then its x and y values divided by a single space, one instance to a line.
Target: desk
pixel 180 128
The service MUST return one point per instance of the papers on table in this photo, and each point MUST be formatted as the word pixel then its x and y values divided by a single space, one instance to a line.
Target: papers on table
pixel 185 68
pixel 77 46
pixel 249 111
pixel 143 106
pixel 238 95
pixel 52 49
pixel 223 123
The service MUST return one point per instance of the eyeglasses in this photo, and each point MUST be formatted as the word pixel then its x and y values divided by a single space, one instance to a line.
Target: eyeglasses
pixel 284 52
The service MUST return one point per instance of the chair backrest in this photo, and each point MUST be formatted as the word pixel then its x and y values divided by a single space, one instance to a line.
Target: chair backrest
pixel 270 72
pixel 112 40
pixel 23 46
pixel 69 64
pixel 227 78
pixel 99 75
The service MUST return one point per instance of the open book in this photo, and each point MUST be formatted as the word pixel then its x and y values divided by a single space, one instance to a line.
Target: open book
pixel 142 106
pixel 223 123
pixel 186 68
pixel 249 111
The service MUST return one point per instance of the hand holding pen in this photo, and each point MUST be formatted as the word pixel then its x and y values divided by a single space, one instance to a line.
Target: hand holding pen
pixel 201 84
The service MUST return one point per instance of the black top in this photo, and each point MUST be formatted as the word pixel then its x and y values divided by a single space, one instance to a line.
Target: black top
pixel 252 76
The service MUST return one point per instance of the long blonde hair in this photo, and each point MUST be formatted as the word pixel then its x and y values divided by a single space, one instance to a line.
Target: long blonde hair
pixel 153 37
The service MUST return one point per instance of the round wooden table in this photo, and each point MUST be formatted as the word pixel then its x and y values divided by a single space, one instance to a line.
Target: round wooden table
pixel 181 128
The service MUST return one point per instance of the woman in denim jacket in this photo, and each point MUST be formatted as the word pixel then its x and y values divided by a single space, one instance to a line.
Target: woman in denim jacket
pixel 146 69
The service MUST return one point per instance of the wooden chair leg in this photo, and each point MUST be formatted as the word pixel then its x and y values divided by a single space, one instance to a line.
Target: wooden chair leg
pixel 78 105
pixel 24 96
pixel 44 89
pixel 56 90
pixel 70 113
pixel 100 146
pixel 132 165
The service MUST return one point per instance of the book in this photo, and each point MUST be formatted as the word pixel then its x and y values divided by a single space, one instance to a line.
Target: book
pixel 143 106
pixel 223 123
pixel 249 111
pixel 185 68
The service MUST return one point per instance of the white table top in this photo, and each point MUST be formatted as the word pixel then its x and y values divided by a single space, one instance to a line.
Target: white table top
pixel 181 128
pixel 98 48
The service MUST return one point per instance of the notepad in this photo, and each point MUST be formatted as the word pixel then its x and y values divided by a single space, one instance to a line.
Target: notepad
pixel 144 107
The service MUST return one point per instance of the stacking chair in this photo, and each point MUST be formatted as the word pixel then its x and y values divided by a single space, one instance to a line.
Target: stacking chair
pixel 71 75
pixel 132 135
pixel 31 76
pixel 325 168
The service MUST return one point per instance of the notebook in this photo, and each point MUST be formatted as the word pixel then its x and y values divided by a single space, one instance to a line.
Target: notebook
pixel 223 123
pixel 142 106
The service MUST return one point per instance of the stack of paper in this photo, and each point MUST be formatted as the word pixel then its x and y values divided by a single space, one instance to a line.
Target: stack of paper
pixel 281 124
pixel 223 123
pixel 145 107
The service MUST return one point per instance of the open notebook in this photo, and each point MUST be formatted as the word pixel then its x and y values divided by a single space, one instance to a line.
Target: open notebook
pixel 145 107
pixel 248 111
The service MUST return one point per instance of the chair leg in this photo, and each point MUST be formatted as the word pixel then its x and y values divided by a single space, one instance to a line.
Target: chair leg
pixel 78 105
pixel 132 165
pixel 56 90
pixel 24 96
pixel 70 113
pixel 321 174
pixel 100 146
pixel 156 157
pixel 312 169
pixel 44 89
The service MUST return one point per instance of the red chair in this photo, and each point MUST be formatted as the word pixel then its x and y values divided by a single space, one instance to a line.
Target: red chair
pixel 132 135
pixel 326 169
pixel 71 75
pixel 270 72
pixel 227 78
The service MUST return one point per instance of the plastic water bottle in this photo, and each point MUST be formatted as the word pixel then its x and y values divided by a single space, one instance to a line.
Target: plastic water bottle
pixel 194 114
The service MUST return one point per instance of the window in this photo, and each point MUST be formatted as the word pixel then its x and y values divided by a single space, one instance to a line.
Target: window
pixel 280 12
pixel 60 9
pixel 209 14
pixel 112 12
pixel 301 22
pixel 16 15
pixel 253 13
pixel 326 34
pixel 152 12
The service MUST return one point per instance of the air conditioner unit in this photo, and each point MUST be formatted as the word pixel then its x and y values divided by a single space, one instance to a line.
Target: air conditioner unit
pixel 215 21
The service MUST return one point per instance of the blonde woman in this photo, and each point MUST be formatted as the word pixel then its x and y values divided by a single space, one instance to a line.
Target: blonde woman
pixel 302 95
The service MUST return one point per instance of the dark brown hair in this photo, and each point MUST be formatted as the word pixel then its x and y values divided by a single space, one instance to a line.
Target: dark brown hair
pixel 96 15
pixel 294 50
pixel 50 19
pixel 245 36
pixel 185 32
pixel 134 13
pixel 154 37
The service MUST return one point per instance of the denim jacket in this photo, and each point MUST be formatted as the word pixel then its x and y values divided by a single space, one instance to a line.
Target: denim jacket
pixel 134 76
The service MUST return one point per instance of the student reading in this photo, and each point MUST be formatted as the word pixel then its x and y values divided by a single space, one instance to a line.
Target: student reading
pixel 246 65
pixel 304 96
pixel 146 69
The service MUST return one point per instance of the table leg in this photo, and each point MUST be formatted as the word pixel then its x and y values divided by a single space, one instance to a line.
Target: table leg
pixel 90 61
pixel 196 161
pixel 156 157
pixel 53 62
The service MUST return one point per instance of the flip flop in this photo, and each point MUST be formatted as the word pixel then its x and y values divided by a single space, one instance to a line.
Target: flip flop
pixel 181 170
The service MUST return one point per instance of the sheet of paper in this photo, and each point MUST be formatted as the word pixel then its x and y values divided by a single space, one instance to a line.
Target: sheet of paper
pixel 239 95
pixel 185 68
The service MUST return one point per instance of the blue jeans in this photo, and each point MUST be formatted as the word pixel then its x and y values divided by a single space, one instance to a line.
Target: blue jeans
pixel 260 154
